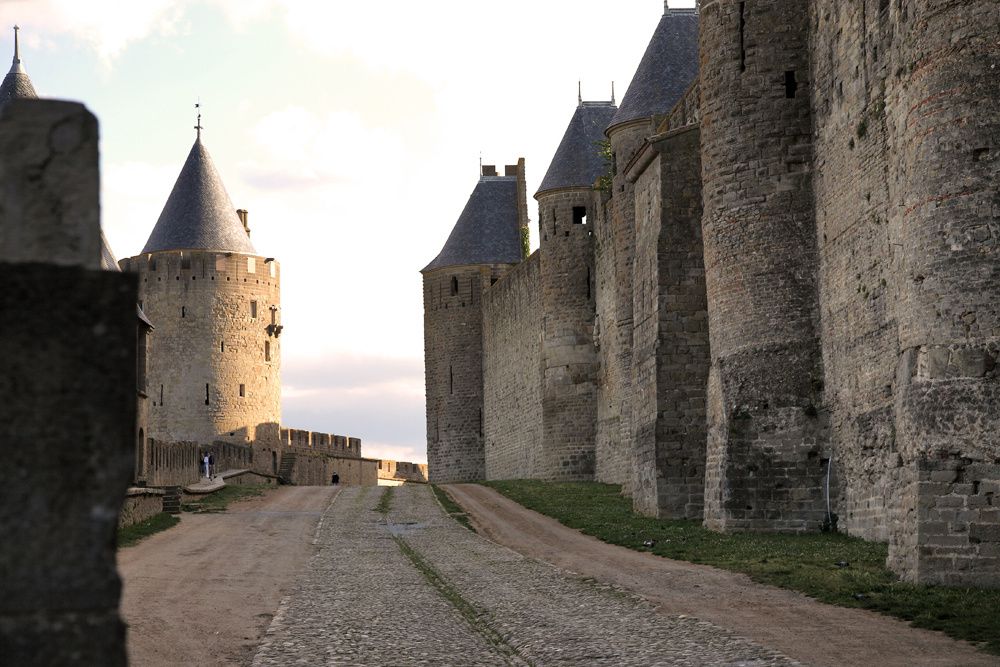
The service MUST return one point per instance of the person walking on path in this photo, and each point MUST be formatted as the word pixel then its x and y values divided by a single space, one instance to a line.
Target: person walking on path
pixel 211 464
pixel 205 461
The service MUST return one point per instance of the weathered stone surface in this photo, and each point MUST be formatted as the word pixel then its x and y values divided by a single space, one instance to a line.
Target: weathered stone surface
pixel 67 417
pixel 50 201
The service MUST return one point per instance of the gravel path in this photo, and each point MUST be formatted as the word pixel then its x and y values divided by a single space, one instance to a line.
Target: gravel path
pixel 412 587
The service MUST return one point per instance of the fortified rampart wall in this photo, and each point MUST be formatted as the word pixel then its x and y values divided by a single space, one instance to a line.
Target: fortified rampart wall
pixel 341 445
pixel 402 471
pixel 512 373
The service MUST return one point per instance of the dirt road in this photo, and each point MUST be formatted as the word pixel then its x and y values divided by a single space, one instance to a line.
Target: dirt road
pixel 801 628
pixel 203 592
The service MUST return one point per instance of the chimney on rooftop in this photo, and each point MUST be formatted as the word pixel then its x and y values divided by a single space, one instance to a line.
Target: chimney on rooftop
pixel 244 215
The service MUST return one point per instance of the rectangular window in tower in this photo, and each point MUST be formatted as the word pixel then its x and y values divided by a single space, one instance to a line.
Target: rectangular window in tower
pixel 579 215
pixel 451 380
pixel 183 311
pixel 243 391
pixel 222 346
pixel 206 394
pixel 743 28
pixel 161 395
pixel 267 350
pixel 251 265
pixel 185 261
pixel 220 263
pixel 790 84
pixel 253 310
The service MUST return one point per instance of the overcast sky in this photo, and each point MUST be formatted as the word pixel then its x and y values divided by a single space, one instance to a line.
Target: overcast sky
pixel 351 131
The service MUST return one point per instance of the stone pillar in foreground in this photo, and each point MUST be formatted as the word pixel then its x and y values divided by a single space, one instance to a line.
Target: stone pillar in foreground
pixel 67 394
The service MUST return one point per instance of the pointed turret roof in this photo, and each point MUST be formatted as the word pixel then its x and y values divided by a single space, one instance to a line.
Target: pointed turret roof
pixel 16 85
pixel 108 260
pixel 487 231
pixel 667 68
pixel 578 161
pixel 198 214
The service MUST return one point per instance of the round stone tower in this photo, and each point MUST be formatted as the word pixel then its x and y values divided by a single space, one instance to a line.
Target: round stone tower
pixel 483 245
pixel 215 303
pixel 566 203
pixel 766 443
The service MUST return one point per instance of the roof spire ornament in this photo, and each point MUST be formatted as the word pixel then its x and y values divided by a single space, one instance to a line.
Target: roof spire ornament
pixel 198 126
pixel 17 48
pixel 579 93
pixel 613 92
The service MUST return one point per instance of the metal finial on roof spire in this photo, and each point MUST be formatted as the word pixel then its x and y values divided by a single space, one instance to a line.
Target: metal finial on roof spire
pixel 612 92
pixel 17 48
pixel 198 126
pixel 579 93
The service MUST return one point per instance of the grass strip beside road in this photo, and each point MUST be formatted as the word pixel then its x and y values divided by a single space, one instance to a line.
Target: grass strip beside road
pixel 453 509
pixel 131 535
pixel 830 567
pixel 219 501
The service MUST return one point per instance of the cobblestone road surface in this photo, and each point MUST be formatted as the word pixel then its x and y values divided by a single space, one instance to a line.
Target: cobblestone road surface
pixel 409 586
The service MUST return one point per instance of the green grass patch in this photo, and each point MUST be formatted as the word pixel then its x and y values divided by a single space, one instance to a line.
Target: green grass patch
pixel 137 532
pixel 807 563
pixel 453 509
pixel 220 500
pixel 385 501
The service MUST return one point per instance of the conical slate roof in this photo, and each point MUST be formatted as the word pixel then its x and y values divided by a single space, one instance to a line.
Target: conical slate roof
pixel 667 68
pixel 578 161
pixel 199 214
pixel 16 85
pixel 108 260
pixel 487 231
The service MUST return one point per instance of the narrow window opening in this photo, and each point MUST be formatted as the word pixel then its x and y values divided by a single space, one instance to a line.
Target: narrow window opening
pixel 161 395
pixel 743 26
pixel 579 215
pixel 243 391
pixel 480 423
pixel 790 84
pixel 454 285
pixel 451 380
pixel 183 311
pixel 267 350
pixel 253 310
pixel 222 346
pixel 588 282
pixel 206 394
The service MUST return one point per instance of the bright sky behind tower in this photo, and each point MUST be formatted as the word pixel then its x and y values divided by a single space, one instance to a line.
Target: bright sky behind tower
pixel 352 133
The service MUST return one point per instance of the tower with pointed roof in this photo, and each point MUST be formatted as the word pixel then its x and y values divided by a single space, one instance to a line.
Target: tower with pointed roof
pixel 566 217
pixel 17 84
pixel 668 67
pixel 214 371
pixel 483 245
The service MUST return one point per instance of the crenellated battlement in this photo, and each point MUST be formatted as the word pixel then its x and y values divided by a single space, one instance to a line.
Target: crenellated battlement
pixel 339 445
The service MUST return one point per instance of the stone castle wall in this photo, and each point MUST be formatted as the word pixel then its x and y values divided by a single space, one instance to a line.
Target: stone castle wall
pixel 314 468
pixel 670 355
pixel 512 373
pixel 796 281
pixel 215 371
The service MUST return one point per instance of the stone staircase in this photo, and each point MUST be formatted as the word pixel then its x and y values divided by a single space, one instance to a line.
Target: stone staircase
pixel 172 500
pixel 286 468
